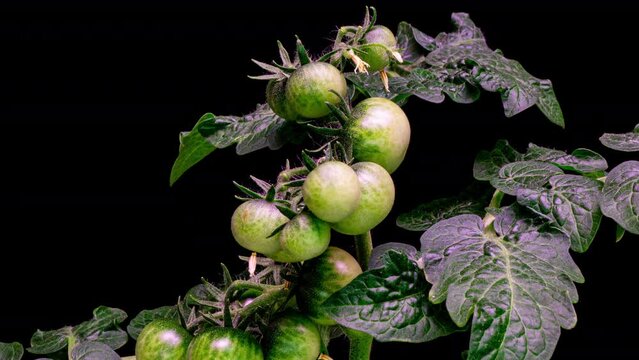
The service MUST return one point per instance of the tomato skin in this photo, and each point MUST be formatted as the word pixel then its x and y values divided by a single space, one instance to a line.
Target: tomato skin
pixel 308 88
pixel 331 191
pixel 292 336
pixel 321 277
pixel 276 99
pixel 380 34
pixel 380 132
pixel 162 340
pixel 303 237
pixel 253 222
pixel 225 344
pixel 378 196
pixel 375 55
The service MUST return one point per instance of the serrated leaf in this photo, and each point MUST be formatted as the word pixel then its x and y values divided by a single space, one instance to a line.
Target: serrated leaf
pixel 250 132
pixel 517 288
pixel 144 317
pixel 46 342
pixel 426 215
pixel 582 161
pixel 423 83
pixel 407 44
pixel 378 254
pixel 390 303
pixel 467 49
pixel 104 319
pixel 620 196
pixel 571 204
pixel 523 175
pixel 193 148
pixel 628 142
pixel 487 163
pixel 11 351
pixel 92 350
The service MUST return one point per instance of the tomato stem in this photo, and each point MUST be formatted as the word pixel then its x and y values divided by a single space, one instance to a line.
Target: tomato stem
pixel 363 249
pixel 360 344
pixel 495 203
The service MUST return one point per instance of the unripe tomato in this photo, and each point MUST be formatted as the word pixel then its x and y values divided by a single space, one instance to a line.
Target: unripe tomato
pixel 162 340
pixel 380 34
pixel 252 224
pixel 302 238
pixel 376 202
pixel 380 132
pixel 308 89
pixel 292 336
pixel 375 55
pixel 276 99
pixel 323 276
pixel 331 191
pixel 225 344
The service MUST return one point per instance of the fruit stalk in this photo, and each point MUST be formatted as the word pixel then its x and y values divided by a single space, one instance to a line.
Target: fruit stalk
pixel 363 249
pixel 360 344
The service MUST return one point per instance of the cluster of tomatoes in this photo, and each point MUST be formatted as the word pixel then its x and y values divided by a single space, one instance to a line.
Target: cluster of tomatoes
pixel 349 198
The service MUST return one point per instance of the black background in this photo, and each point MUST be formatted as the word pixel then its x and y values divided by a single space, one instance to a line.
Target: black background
pixel 94 96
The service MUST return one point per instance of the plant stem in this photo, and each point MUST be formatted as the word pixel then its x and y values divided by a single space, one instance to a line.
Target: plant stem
pixel 363 249
pixel 360 344
pixel 129 358
pixel 495 202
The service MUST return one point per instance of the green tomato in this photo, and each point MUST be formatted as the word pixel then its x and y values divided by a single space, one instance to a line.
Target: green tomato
pixel 380 132
pixel 331 191
pixel 252 224
pixel 303 238
pixel 380 34
pixel 292 336
pixel 162 340
pixel 321 277
pixel 378 196
pixel 225 344
pixel 308 89
pixel 276 99
pixel 375 55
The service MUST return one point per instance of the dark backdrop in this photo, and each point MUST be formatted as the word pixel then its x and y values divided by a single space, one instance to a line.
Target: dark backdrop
pixel 93 98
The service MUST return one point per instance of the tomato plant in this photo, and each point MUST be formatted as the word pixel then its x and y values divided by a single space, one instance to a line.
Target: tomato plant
pixel 491 261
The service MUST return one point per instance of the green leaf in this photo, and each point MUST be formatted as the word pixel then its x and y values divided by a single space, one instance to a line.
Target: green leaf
pixel 193 148
pixel 390 303
pixel 571 205
pixel 523 175
pixel 144 317
pixel 250 132
pixel 517 286
pixel 423 83
pixel 378 255
pixel 104 318
pixel 628 142
pixel 92 350
pixel 488 163
pixel 114 339
pixel 467 49
pixel 46 342
pixel 11 351
pixel 410 49
pixel 426 215
pixel 582 161
pixel 619 233
pixel 620 196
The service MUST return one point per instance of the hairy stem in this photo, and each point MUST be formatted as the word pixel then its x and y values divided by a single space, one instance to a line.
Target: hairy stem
pixel 363 249
pixel 495 202
pixel 360 344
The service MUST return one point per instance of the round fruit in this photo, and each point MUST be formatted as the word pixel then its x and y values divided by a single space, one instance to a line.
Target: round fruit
pixel 378 195
pixel 380 34
pixel 276 99
pixel 162 340
pixel 331 191
pixel 252 224
pixel 380 132
pixel 292 336
pixel 225 344
pixel 323 276
pixel 303 238
pixel 308 89
pixel 375 55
